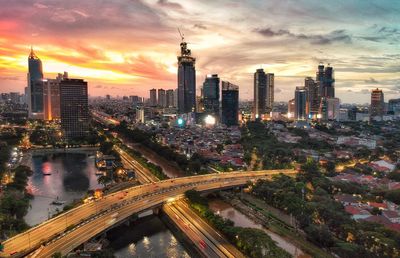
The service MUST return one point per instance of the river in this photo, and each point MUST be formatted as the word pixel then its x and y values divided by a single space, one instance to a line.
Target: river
pixel 227 211
pixel 148 237
pixel 72 175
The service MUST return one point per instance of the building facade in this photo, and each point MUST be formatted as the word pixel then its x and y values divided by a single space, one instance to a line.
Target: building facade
pixel 300 99
pixel 230 104
pixel 312 97
pixel 270 80
pixel 74 110
pixel 260 93
pixel 170 95
pixel 210 94
pixel 153 98
pixel 35 86
pixel 186 81
pixel 377 104
pixel 162 98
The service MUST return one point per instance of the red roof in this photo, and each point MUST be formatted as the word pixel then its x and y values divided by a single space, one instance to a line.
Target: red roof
pixel 352 210
pixel 390 214
pixel 378 205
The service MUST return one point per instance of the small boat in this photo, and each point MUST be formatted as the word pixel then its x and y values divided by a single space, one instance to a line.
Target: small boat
pixel 47 173
pixel 57 202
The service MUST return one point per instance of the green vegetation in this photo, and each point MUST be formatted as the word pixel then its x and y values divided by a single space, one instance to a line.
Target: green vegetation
pixel 272 153
pixel 14 202
pixel 253 242
pixel 153 168
pixel 309 198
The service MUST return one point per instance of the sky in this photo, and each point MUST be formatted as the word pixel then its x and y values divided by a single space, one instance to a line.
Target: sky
pixel 127 47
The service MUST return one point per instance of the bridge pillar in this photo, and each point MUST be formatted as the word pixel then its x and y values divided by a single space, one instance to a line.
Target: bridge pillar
pixel 156 210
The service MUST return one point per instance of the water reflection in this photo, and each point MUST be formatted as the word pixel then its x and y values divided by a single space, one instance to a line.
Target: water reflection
pixel 146 238
pixel 69 176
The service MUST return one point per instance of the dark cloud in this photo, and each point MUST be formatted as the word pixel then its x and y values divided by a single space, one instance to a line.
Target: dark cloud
pixel 332 37
pixel 199 26
pixel 168 4
pixel 371 81
pixel 372 38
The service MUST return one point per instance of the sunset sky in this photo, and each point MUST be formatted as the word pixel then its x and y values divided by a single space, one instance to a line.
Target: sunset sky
pixel 126 47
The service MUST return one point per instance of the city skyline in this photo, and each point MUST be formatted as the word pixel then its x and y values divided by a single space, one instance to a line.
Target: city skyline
pixel 142 43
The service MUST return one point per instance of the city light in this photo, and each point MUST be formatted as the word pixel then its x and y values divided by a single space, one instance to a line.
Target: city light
pixel 180 121
pixel 210 120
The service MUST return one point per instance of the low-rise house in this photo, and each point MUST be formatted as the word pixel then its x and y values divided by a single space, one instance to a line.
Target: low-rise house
pixel 356 212
pixel 393 216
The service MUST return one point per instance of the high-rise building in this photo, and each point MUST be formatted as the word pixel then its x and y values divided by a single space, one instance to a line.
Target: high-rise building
pixel 210 94
pixel 394 106
pixel 377 103
pixel 140 115
pixel 312 97
pixel 51 99
pixel 74 108
pixel 291 109
pixel 135 100
pixel 153 97
pixel 162 99
pixel 333 109
pixel 186 81
pixel 230 103
pixel 260 93
pixel 108 97
pixel 270 80
pixel 15 97
pixel 170 98
pixel 326 81
pixel 323 109
pixel 176 98
pixel 35 86
pixel 329 82
pixel 300 99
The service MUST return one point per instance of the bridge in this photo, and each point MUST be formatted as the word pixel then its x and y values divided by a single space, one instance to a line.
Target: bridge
pixel 76 226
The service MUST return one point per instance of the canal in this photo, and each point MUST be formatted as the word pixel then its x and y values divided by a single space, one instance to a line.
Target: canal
pixel 229 212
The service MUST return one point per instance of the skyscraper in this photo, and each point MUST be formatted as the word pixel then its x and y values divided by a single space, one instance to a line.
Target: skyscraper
pixel 333 108
pixel 170 98
pixel 329 82
pixel 162 100
pixel 300 99
pixel 74 108
pixel 230 104
pixel 51 96
pixel 260 93
pixel 186 80
pixel 320 80
pixel 211 94
pixel 35 86
pixel 270 80
pixel 377 104
pixel 312 97
pixel 153 97
pixel 326 81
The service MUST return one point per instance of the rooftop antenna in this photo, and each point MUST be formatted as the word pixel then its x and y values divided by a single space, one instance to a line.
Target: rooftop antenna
pixel 181 34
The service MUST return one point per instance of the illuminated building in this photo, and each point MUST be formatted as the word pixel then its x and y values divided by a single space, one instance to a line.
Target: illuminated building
pixel 291 109
pixel 170 98
pixel 312 97
pixel 162 100
pixel 300 99
pixel 260 94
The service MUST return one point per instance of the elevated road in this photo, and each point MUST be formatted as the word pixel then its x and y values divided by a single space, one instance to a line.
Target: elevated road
pixel 68 230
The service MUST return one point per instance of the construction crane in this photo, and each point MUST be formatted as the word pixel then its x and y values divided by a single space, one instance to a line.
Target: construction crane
pixel 181 34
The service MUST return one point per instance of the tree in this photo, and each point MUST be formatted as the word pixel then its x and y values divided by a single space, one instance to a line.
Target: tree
pixel 106 147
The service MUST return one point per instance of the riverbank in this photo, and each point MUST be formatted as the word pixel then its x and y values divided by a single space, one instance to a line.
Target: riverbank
pixel 273 221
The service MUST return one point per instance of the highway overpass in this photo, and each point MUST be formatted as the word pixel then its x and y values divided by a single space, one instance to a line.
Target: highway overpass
pixel 74 227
